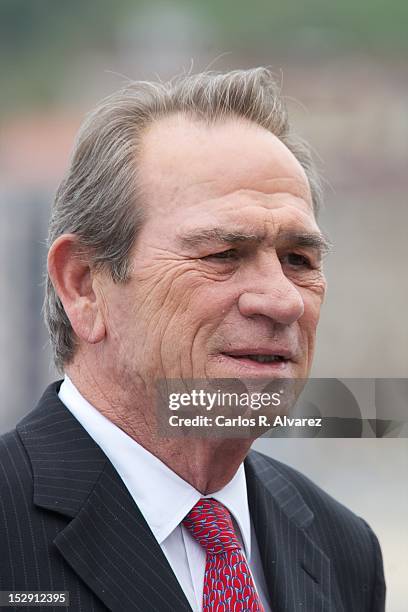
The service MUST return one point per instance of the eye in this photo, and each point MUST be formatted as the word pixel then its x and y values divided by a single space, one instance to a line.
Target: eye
pixel 229 255
pixel 297 261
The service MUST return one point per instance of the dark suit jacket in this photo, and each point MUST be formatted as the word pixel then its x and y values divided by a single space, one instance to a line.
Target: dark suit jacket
pixel 67 523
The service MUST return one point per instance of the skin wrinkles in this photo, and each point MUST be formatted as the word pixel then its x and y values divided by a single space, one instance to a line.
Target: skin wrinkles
pixel 183 309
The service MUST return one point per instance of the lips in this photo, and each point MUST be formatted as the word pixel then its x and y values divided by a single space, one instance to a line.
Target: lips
pixel 262 358
pixel 260 361
pixel 262 355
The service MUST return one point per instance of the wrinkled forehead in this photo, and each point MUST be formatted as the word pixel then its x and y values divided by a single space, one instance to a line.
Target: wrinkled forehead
pixel 184 162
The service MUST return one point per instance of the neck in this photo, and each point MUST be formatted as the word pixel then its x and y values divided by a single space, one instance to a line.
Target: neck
pixel 208 464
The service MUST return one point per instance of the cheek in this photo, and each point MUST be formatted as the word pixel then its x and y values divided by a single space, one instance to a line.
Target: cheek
pixel 209 302
pixel 189 290
pixel 178 304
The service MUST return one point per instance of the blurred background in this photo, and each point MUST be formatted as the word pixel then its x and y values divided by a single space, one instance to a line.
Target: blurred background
pixel 343 69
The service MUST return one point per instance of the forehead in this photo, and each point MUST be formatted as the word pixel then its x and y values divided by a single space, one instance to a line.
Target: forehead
pixel 191 171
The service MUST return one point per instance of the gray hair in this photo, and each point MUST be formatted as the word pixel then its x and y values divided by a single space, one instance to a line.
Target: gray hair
pixel 98 199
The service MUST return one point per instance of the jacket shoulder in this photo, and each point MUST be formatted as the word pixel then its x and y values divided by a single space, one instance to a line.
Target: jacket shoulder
pixel 315 497
pixel 348 541
pixel 16 477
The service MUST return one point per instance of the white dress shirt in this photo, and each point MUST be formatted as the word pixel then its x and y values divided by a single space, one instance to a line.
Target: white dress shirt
pixel 165 499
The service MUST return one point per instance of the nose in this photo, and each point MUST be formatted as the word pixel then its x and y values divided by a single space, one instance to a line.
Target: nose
pixel 271 294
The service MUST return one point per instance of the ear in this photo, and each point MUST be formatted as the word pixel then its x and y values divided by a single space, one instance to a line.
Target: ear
pixel 71 274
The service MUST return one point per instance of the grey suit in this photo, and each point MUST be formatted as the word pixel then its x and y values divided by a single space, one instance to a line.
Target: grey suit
pixel 68 523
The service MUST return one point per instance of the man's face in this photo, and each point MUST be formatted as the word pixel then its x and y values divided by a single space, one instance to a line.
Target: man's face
pixel 227 278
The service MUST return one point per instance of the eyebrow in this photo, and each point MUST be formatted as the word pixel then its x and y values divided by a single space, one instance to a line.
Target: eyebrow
pixel 315 240
pixel 200 237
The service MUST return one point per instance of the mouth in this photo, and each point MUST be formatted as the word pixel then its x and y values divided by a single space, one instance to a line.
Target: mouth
pixel 260 361
pixel 261 358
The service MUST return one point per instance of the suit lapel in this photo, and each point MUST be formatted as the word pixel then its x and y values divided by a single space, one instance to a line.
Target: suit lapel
pixel 107 541
pixel 297 571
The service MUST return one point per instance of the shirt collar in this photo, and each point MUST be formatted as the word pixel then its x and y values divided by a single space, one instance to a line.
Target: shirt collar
pixel 162 496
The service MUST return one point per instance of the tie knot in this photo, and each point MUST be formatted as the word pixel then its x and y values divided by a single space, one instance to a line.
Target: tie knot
pixel 210 523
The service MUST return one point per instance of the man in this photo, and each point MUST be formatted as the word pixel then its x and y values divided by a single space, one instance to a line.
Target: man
pixel 183 245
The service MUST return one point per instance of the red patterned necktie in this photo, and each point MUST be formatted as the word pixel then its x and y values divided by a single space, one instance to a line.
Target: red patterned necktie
pixel 228 584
